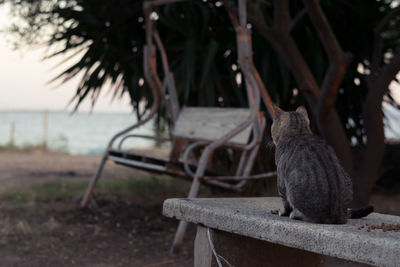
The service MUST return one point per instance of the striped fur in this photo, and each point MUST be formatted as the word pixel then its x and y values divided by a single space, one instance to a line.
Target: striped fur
pixel 311 182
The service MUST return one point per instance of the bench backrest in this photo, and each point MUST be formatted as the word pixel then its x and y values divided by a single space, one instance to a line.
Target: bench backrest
pixel 211 123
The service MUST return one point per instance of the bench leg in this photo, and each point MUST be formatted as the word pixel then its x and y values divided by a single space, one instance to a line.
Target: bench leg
pixel 89 189
pixel 242 161
pixel 194 189
pixel 180 232
pixel 203 256
pixel 249 166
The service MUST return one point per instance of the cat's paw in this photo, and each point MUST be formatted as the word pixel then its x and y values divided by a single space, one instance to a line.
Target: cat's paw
pixel 296 215
pixel 284 212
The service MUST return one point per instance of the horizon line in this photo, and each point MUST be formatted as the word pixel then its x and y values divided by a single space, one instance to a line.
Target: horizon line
pixel 34 110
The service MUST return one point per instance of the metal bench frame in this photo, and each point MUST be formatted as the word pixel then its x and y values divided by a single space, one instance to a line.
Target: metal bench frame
pixel 178 162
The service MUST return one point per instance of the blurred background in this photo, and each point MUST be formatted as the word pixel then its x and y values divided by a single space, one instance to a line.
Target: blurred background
pixel 71 76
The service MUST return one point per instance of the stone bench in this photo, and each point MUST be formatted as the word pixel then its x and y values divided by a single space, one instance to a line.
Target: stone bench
pixel 246 233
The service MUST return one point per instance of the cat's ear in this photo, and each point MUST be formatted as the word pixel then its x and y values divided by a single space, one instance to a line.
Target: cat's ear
pixel 302 110
pixel 277 112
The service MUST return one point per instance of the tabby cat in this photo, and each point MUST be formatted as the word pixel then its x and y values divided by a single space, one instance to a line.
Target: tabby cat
pixel 311 182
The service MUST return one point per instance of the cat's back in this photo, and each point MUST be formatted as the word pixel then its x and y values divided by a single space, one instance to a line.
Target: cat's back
pixel 304 148
pixel 314 178
pixel 311 156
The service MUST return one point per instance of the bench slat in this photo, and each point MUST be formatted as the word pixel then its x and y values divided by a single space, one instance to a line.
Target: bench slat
pixel 209 124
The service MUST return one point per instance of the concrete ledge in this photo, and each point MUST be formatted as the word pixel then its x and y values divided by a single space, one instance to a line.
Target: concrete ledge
pixel 251 217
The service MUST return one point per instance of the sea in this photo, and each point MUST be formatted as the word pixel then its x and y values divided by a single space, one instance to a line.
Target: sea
pixel 89 133
pixel 74 133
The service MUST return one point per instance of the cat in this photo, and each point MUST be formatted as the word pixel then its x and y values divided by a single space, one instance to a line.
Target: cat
pixel 313 185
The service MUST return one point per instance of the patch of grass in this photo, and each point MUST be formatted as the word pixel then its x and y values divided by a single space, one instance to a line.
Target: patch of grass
pixel 14 147
pixel 147 188
pixel 17 197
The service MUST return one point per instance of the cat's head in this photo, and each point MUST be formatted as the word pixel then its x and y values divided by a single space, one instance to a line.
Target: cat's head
pixel 288 124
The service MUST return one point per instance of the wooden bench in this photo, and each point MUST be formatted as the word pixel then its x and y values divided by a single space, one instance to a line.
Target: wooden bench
pixel 244 232
pixel 201 125
pixel 195 127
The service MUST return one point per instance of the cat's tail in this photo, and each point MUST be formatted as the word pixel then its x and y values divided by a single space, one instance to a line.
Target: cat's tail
pixel 359 213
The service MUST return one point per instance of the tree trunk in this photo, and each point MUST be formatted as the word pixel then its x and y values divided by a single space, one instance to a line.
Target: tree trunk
pixel 320 99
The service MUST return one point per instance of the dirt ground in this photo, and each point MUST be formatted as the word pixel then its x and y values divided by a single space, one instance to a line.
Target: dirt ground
pixel 114 232
pixel 19 169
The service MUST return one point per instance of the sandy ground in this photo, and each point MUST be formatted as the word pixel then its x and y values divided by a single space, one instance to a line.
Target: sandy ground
pixel 114 233
pixel 19 169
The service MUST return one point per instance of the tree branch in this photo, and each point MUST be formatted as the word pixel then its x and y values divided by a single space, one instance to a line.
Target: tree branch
pixel 373 125
pixel 338 61
pixel 282 21
pixel 256 17
pixel 376 55
pixel 282 42
pixel 378 83
pixel 231 11
pixel 297 18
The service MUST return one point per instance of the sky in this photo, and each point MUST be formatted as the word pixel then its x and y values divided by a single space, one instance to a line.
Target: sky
pixel 24 81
